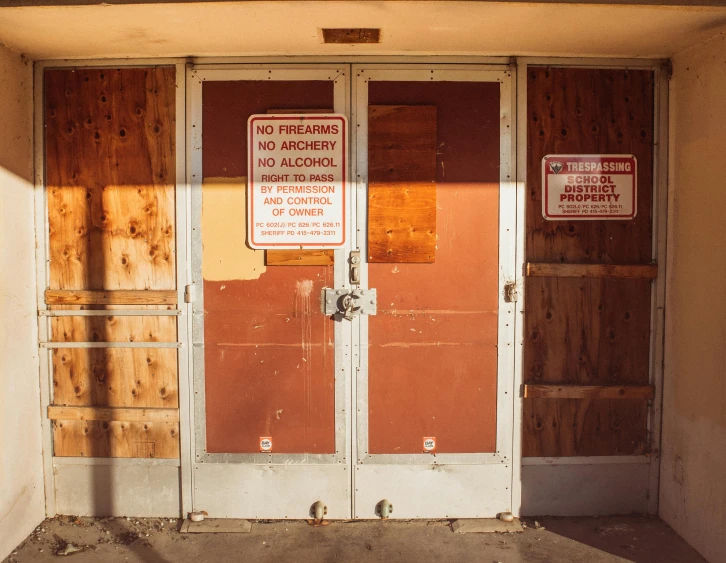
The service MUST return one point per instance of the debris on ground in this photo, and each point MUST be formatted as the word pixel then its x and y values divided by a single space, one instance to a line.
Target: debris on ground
pixel 70 549
pixel 614 529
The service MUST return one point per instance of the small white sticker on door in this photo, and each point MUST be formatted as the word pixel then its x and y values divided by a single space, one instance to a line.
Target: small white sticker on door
pixel 429 443
pixel 265 444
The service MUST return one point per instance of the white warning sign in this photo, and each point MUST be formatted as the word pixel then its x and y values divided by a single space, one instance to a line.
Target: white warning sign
pixel 296 195
pixel 592 186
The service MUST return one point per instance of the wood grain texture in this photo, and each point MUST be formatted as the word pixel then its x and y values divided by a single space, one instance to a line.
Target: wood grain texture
pixel 588 391
pixel 589 111
pixel 110 167
pixel 587 330
pixel 118 297
pixel 83 438
pixel 299 257
pixel 402 143
pixel 642 271
pixel 107 414
pixel 113 329
pixel 402 222
pixel 115 377
pixel 110 176
pixel 585 427
pixel 401 184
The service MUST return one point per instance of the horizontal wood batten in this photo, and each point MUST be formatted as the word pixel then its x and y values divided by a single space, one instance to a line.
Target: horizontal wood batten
pixel 634 271
pixel 588 391
pixel 115 297
pixel 111 413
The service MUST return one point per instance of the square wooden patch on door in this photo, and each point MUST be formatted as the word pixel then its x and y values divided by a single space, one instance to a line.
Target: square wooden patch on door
pixel 402 184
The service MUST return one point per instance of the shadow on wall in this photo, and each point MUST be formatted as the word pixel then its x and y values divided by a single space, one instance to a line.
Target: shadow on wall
pixel 110 176
pixel 21 465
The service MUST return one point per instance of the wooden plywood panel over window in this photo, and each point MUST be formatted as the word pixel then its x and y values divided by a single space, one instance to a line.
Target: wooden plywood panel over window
pixel 401 183
pixel 588 330
pixel 110 177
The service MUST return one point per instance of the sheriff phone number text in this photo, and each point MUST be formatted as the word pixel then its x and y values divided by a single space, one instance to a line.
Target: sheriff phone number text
pixel 300 228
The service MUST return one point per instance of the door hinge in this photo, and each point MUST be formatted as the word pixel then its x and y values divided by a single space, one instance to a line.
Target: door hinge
pixel 510 292
pixel 188 294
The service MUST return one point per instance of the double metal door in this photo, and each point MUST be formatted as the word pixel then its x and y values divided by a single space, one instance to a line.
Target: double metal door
pixel 405 413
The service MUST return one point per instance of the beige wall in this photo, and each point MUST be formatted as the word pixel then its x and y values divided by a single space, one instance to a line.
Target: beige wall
pixel 22 502
pixel 693 487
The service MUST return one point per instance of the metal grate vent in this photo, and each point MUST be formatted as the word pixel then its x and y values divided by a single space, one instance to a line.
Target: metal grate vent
pixel 352 35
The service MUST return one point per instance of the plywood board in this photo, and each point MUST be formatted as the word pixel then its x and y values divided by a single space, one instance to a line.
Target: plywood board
pixel 584 427
pixel 401 143
pixel 402 222
pixel 432 353
pixel 588 330
pixel 299 257
pixel 114 329
pixel 80 438
pixel 110 175
pixel 401 183
pixel 118 297
pixel 645 271
pixel 106 413
pixel 589 111
pixel 115 377
pixel 588 391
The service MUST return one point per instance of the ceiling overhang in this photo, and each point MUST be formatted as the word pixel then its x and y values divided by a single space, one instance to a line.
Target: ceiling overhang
pixel 284 28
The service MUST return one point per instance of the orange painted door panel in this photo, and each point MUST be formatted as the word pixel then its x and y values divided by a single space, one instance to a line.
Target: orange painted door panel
pixel 269 352
pixel 433 344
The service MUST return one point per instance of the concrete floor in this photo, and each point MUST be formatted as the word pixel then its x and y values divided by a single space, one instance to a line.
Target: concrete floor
pixel 154 540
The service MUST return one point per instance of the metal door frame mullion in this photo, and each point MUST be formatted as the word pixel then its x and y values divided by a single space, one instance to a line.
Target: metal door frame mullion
pixel 358 242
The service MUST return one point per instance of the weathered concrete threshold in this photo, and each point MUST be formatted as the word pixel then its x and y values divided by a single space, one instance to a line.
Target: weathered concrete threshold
pixel 486 526
pixel 237 526
pixel 217 526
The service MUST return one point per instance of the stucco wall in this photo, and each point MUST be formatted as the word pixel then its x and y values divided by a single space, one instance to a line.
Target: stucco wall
pixel 22 502
pixel 693 488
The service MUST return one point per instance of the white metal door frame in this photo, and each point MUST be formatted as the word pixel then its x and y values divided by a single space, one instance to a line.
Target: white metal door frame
pixel 266 485
pixel 411 474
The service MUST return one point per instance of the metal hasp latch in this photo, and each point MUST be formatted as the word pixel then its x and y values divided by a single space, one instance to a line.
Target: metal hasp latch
pixel 348 303
pixel 510 292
